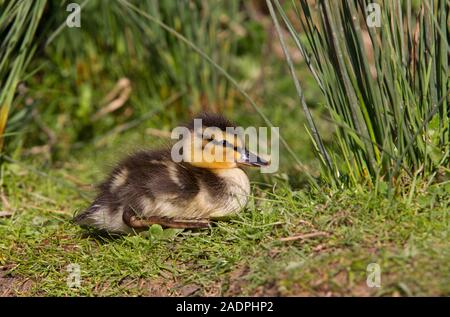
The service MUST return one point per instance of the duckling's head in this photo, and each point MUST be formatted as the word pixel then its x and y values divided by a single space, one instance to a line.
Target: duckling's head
pixel 216 144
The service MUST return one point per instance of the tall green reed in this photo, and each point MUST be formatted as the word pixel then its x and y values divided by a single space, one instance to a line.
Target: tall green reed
pixel 386 87
pixel 19 21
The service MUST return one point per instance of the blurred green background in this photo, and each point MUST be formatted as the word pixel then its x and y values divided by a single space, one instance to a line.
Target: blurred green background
pixel 119 72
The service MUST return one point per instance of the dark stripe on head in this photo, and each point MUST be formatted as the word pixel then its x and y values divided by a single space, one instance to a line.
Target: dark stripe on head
pixel 211 120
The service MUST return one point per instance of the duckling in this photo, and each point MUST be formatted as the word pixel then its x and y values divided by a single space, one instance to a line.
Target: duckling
pixel 150 187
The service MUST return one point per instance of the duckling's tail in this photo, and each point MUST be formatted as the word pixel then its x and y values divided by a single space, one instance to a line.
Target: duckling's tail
pixel 101 217
pixel 85 218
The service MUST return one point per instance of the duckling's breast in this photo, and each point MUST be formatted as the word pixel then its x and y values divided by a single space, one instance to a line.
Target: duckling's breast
pixel 236 194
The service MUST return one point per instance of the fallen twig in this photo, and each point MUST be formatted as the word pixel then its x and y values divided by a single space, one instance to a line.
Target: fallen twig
pixel 305 236
pixel 100 141
pixel 121 93
pixel 5 201
pixel 158 133
pixel 5 214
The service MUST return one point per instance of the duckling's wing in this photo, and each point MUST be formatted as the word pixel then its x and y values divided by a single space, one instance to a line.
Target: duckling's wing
pixel 147 188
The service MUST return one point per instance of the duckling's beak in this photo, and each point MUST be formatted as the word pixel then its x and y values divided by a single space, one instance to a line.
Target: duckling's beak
pixel 250 159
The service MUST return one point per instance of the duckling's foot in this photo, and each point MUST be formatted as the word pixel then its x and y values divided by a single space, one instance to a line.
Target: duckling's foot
pixel 140 223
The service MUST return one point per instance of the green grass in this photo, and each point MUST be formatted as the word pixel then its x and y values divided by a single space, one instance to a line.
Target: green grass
pixel 245 256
